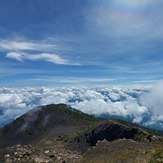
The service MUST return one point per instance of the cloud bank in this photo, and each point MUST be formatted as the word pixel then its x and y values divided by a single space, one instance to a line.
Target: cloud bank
pixel 138 104
pixel 154 102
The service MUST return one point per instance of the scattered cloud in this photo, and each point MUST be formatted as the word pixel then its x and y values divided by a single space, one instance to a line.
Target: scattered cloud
pixel 54 58
pixel 130 102
pixel 14 55
pixel 115 39
pixel 22 49
pixel 19 45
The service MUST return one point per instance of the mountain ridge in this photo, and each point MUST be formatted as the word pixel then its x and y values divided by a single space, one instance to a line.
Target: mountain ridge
pixel 63 128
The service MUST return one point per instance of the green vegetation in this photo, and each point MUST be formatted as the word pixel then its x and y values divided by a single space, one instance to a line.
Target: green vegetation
pixel 158 156
pixel 73 113
pixel 125 123
pixel 154 132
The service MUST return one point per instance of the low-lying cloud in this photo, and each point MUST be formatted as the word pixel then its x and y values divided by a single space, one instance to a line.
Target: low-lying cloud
pixel 139 104
pixel 153 101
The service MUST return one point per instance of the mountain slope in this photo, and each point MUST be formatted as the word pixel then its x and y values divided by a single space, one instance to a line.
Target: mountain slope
pixel 44 121
pixel 59 133
pixel 111 130
pixel 124 150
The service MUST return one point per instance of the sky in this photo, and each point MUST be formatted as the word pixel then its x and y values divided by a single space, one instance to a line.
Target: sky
pixel 50 49
pixel 71 42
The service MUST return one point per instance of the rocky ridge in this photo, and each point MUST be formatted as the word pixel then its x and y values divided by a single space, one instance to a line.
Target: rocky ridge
pixel 59 133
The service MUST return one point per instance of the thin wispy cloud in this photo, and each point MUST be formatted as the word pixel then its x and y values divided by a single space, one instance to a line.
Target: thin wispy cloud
pixel 75 80
pixel 126 19
pixel 53 58
pixel 108 39
pixel 19 45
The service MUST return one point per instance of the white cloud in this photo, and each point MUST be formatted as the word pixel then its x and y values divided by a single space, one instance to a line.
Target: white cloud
pixel 20 49
pixel 14 55
pixel 10 45
pixel 153 100
pixel 129 107
pixel 127 102
pixel 54 58
pixel 19 45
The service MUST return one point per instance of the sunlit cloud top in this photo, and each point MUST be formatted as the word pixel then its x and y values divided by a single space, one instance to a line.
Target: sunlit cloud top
pixel 127 102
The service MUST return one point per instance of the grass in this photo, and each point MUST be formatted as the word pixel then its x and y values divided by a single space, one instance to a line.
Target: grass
pixel 75 114
pixel 158 156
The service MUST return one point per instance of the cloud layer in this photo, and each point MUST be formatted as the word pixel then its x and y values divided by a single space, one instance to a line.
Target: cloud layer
pixel 131 103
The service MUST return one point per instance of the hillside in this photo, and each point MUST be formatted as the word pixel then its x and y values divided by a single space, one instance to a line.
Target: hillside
pixel 124 150
pixel 60 133
pixel 44 121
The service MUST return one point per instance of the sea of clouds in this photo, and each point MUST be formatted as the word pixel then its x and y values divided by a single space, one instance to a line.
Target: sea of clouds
pixel 139 104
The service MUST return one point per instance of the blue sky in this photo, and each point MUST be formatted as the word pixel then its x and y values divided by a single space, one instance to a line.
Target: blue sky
pixel 67 42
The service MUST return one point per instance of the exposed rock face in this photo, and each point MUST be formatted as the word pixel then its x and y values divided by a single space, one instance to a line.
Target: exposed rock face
pixel 111 131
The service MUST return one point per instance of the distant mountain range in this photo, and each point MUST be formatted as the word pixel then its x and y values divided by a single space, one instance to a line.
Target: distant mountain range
pixel 59 133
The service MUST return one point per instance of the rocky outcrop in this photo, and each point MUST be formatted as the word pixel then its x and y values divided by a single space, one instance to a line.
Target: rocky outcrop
pixel 111 131
pixel 29 153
